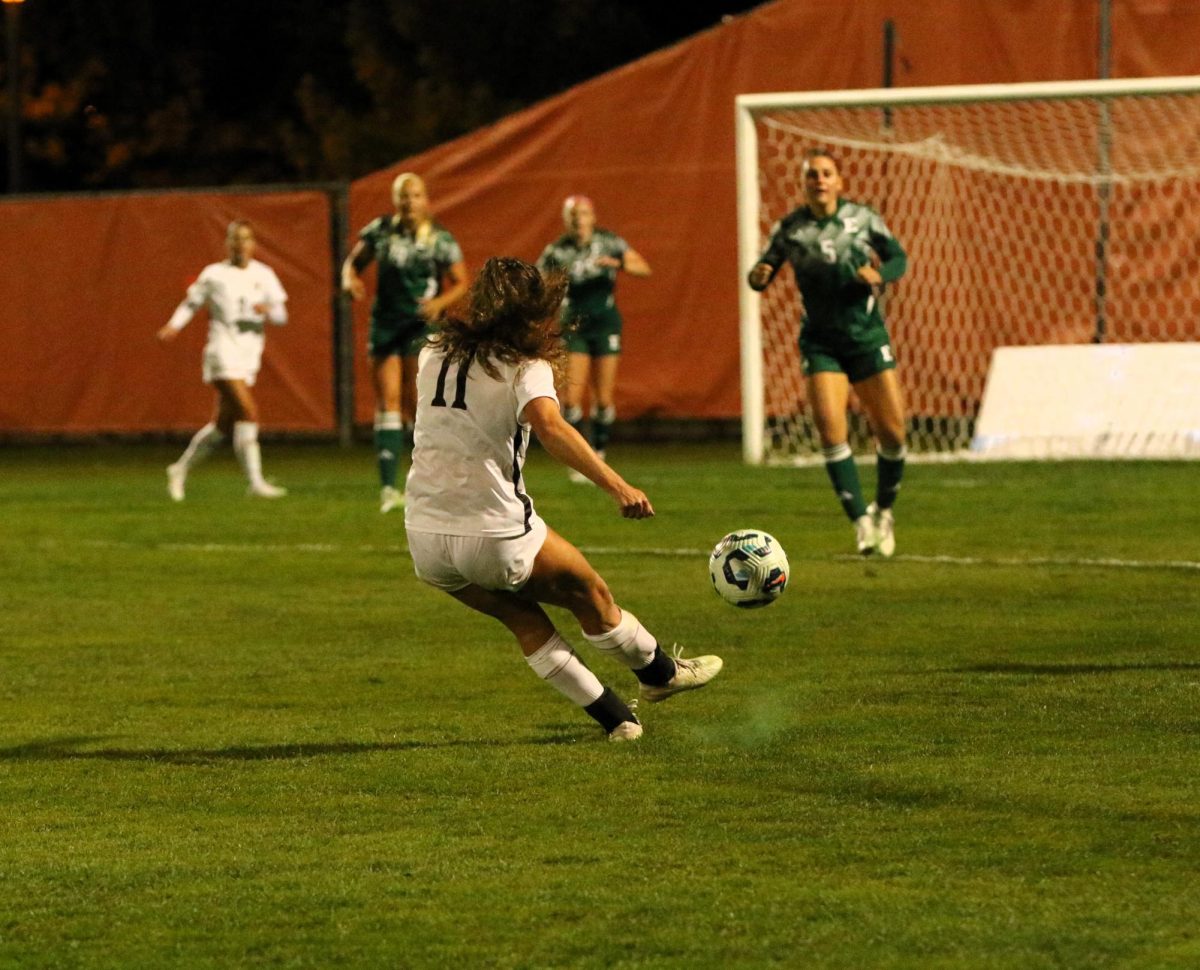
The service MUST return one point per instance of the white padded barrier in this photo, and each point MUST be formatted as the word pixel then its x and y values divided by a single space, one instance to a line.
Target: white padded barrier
pixel 1091 401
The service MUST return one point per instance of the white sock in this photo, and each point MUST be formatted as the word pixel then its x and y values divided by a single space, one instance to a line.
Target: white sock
pixel 202 443
pixel 557 664
pixel 628 642
pixel 245 446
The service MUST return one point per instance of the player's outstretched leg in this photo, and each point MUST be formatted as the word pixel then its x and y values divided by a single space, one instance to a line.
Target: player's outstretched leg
pixel 659 674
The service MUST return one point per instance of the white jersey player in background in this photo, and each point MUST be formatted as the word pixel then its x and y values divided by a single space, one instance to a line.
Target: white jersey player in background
pixel 241 295
pixel 483 385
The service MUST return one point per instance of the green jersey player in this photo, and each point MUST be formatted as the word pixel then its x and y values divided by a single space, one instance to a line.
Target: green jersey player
pixel 590 257
pixel 421 273
pixel 842 254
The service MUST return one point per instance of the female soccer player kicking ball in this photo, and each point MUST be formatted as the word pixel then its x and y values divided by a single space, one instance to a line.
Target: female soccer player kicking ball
pixel 483 384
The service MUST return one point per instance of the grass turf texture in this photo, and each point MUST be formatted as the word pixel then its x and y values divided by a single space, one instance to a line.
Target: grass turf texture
pixel 241 733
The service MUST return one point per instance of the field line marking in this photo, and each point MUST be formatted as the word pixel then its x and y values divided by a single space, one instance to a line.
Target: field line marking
pixel 664 552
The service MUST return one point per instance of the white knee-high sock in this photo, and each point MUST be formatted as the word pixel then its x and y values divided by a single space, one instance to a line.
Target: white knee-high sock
pixel 628 642
pixel 557 664
pixel 245 446
pixel 202 443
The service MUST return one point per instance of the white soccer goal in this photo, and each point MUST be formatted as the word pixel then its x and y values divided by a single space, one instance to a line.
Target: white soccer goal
pixel 1033 214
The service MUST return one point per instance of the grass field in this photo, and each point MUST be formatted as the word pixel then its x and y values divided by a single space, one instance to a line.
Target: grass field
pixel 239 733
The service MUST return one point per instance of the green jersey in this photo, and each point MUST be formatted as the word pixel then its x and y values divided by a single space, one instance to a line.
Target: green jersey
pixel 840 310
pixel 410 268
pixel 590 287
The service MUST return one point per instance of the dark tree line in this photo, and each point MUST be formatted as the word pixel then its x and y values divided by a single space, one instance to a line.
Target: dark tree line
pixel 157 93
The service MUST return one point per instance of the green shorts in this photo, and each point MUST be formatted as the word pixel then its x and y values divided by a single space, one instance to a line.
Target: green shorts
pixel 401 339
pixel 597 334
pixel 856 363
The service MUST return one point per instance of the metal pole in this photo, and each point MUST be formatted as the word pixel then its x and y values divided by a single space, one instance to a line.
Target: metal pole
pixel 12 16
pixel 889 65
pixel 1104 166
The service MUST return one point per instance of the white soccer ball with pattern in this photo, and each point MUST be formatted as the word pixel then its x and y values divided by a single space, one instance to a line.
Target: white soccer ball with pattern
pixel 748 568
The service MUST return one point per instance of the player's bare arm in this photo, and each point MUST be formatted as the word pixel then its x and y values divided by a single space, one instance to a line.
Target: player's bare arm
pixel 568 446
pixel 360 257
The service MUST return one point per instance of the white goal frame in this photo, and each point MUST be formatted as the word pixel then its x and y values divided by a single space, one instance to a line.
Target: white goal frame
pixel 751 241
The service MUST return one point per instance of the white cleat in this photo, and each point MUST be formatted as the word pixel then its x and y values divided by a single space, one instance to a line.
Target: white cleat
pixel 689 675
pixel 176 477
pixel 390 498
pixel 885 529
pixel 866 537
pixel 266 490
pixel 626 731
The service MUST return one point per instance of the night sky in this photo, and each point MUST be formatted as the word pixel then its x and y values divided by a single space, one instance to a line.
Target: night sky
pixel 152 94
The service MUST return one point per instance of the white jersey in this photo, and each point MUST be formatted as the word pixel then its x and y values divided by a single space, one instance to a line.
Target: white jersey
pixel 235 328
pixel 469 447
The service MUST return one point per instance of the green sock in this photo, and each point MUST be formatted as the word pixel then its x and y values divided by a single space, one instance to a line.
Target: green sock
pixel 602 421
pixel 389 440
pixel 889 470
pixel 843 473
pixel 574 417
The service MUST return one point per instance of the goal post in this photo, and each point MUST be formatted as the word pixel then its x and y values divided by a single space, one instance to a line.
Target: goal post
pixel 1062 213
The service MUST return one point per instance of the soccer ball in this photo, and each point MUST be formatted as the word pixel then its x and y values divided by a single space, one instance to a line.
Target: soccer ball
pixel 748 568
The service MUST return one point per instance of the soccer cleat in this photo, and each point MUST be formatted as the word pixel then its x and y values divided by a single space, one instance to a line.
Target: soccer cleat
pixel 689 675
pixel 579 478
pixel 866 537
pixel 176 477
pixel 266 490
pixel 885 529
pixel 626 731
pixel 390 498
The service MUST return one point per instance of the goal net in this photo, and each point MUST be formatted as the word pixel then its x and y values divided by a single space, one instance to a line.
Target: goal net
pixel 1034 214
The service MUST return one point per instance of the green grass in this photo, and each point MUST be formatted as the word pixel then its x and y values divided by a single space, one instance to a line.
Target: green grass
pixel 237 733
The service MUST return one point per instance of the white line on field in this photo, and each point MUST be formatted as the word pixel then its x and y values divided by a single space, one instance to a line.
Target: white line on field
pixel 663 552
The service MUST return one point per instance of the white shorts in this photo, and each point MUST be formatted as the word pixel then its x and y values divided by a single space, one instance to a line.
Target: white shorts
pixel 233 359
pixel 493 562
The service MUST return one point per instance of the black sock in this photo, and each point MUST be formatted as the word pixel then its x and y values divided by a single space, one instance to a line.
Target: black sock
pixel 608 710
pixel 658 672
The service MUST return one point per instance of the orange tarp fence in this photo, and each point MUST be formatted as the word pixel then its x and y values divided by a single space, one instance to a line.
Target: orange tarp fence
pixel 87 281
pixel 653 144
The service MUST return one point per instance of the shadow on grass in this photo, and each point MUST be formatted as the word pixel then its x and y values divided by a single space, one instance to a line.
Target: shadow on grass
pixel 1060 669
pixel 68 749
